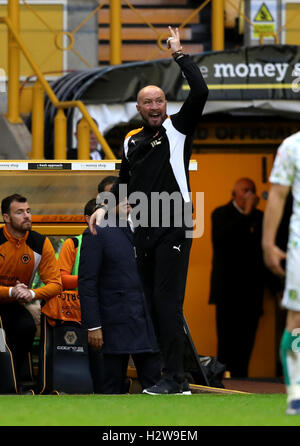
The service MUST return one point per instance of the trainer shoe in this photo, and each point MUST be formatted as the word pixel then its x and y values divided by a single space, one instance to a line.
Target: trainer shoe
pixel 293 408
pixel 168 386
pixel 185 388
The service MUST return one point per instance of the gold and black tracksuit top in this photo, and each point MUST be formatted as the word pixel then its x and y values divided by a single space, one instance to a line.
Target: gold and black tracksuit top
pixel 21 258
pixel 157 160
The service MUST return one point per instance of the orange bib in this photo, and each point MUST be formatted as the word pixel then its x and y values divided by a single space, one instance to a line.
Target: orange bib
pixel 65 307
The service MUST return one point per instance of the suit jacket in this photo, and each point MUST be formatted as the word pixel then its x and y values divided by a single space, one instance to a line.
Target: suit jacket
pixel 111 293
pixel 238 270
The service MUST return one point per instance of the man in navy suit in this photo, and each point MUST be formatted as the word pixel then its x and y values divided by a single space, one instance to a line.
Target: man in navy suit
pixel 113 305
pixel 238 276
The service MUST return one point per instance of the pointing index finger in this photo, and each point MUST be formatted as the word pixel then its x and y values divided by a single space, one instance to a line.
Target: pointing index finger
pixel 172 31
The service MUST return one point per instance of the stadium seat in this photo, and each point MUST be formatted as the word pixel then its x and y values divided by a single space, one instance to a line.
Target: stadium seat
pixel 64 361
pixel 8 382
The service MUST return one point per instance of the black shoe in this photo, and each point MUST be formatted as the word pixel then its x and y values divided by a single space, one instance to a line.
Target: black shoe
pixel 185 388
pixel 293 408
pixel 168 386
pixel 27 392
pixel 57 392
pixel 26 388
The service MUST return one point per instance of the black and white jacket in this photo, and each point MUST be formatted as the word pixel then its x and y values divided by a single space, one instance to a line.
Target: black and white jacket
pixel 159 161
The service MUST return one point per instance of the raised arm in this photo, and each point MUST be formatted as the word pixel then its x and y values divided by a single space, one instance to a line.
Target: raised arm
pixel 191 111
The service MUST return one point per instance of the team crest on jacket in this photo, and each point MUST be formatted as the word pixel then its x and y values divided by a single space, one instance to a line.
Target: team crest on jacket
pixel 25 258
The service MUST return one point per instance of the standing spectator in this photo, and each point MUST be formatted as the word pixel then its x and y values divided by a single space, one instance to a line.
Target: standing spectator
pixel 22 253
pixel 237 278
pixel 285 178
pixel 114 308
pixel 156 160
pixel 96 152
pixel 106 183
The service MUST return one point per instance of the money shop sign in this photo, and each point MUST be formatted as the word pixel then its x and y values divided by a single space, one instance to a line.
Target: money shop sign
pixel 266 72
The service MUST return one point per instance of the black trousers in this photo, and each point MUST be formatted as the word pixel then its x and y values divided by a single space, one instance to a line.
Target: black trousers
pixel 109 371
pixel 20 330
pixel 236 330
pixel 163 270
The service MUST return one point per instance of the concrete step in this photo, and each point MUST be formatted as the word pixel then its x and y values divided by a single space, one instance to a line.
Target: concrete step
pixel 139 39
pixel 166 16
pixel 142 33
pixel 143 51
pixel 158 2
pixel 15 141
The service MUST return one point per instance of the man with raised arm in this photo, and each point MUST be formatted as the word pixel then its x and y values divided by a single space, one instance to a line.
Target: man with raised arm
pixel 156 162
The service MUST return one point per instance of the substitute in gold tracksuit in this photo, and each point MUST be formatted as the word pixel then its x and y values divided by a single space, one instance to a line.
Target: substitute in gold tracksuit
pixel 22 253
pixel 66 306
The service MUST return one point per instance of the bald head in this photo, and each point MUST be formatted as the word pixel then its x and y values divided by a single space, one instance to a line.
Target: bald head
pixel 242 189
pixel 245 183
pixel 150 90
pixel 151 105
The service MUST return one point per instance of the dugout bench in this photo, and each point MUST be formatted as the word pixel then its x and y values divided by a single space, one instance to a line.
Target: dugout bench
pixel 57 192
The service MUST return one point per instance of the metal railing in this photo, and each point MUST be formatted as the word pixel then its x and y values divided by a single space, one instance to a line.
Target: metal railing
pixel 16 46
pixel 41 86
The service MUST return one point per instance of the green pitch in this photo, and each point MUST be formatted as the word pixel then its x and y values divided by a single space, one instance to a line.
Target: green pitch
pixel 146 410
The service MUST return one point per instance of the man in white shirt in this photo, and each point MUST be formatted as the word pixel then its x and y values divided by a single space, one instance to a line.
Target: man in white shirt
pixel 285 177
pixel 96 153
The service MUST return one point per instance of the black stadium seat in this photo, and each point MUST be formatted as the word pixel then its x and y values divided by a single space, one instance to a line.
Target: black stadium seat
pixel 7 372
pixel 64 361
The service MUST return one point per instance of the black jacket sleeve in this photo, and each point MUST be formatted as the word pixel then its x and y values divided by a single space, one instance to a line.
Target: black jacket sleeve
pixel 91 255
pixel 191 111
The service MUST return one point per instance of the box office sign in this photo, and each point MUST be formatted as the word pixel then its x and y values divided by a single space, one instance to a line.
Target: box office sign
pixel 239 133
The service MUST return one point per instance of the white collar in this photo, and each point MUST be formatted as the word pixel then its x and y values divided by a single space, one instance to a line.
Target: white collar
pixel 130 222
pixel 237 207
